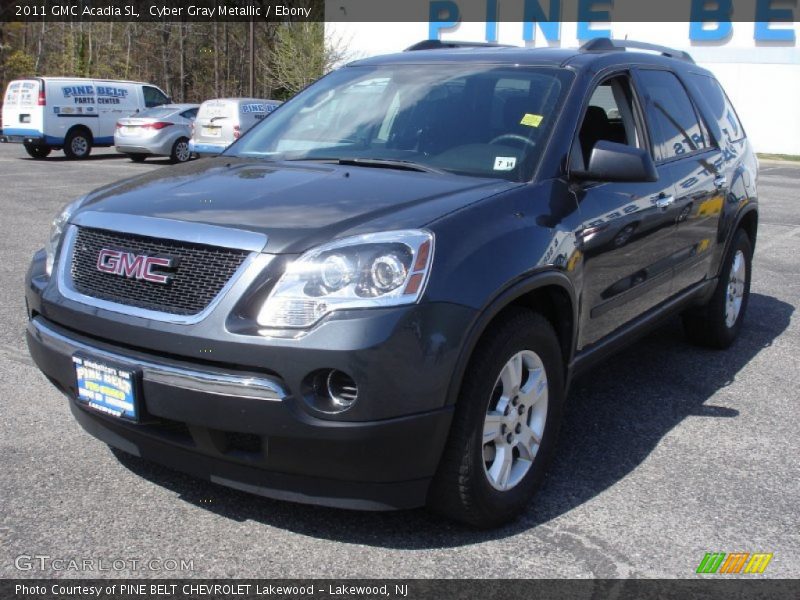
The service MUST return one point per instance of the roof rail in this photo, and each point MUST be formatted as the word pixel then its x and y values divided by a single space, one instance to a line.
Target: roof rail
pixel 442 45
pixel 609 45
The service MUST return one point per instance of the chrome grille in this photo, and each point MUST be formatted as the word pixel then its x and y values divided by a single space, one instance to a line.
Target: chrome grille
pixel 201 272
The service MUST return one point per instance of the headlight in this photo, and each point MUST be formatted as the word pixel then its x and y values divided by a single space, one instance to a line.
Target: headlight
pixel 57 230
pixel 365 271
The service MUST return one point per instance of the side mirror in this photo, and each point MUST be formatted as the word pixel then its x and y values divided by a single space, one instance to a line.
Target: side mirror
pixel 610 161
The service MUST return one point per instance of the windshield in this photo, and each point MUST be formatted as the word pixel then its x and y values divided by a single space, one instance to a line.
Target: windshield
pixel 479 120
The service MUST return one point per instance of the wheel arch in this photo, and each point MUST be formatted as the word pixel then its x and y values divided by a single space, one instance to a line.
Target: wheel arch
pixel 550 293
pixel 749 222
pixel 746 219
pixel 80 127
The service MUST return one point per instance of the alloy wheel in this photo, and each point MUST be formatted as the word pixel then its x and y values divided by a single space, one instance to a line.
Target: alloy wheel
pixel 515 420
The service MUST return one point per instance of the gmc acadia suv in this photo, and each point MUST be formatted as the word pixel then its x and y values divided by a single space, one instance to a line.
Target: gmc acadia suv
pixel 377 297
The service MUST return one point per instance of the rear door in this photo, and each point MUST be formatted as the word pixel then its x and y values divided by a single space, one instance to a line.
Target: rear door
pixel 215 122
pixel 683 149
pixel 22 113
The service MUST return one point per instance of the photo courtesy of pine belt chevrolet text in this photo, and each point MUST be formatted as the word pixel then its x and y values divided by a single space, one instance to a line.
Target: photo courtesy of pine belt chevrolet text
pixel 377 297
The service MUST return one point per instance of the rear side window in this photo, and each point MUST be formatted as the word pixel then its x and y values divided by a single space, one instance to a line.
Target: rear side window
pixel 189 114
pixel 674 126
pixel 721 107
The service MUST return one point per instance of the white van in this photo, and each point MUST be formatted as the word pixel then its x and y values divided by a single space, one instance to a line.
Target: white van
pixel 221 121
pixel 51 113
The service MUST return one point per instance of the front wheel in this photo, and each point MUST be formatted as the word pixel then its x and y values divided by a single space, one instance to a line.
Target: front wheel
pixel 505 425
pixel 717 324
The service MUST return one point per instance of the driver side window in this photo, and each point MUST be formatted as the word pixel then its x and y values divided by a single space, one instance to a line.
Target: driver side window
pixel 153 97
pixel 609 116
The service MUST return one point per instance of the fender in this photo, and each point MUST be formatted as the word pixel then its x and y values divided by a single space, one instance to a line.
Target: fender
pixel 516 289
pixel 741 199
pixel 726 238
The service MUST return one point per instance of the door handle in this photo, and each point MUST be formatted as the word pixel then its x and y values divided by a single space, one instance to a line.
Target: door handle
pixel 665 201
pixel 720 181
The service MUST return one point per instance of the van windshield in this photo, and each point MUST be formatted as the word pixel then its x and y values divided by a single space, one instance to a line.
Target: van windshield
pixel 478 120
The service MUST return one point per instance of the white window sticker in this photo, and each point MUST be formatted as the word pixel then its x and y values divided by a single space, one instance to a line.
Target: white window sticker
pixel 505 163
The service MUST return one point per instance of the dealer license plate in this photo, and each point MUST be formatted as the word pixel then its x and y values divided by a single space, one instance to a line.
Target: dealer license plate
pixel 107 387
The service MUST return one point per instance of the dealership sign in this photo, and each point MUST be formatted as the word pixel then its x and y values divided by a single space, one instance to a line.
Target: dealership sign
pixel 708 20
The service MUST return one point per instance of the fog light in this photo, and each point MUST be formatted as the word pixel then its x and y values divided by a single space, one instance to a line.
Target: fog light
pixel 330 390
pixel 342 390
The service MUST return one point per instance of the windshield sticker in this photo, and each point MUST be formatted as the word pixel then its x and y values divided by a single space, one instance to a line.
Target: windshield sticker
pixel 531 120
pixel 505 163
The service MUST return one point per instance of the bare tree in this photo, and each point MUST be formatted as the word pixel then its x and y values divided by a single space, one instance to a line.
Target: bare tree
pixel 301 55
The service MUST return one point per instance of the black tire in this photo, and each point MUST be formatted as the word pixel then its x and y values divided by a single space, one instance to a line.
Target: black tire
pixel 78 144
pixel 137 157
pixel 461 489
pixel 707 325
pixel 180 151
pixel 37 150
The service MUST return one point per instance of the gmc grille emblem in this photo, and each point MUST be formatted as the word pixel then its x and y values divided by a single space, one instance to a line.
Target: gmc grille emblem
pixel 134 266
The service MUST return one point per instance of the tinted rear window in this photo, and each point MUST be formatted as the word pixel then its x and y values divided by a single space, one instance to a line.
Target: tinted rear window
pixel 673 121
pixel 721 108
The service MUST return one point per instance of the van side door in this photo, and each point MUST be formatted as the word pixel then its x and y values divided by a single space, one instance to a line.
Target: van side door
pixel 682 147
pixel 114 102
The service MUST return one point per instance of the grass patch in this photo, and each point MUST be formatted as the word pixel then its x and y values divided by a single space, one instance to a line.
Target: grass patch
pixel 789 157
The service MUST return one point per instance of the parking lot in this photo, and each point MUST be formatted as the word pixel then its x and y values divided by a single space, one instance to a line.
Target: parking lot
pixel 667 451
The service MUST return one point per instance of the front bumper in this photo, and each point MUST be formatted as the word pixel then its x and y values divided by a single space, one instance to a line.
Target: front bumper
pixel 244 430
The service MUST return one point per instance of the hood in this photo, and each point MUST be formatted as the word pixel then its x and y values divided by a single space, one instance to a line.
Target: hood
pixel 296 204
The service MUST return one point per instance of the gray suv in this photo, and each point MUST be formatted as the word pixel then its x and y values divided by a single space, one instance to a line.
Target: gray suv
pixel 378 297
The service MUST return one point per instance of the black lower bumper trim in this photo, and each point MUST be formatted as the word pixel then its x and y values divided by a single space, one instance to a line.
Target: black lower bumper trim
pixel 280 486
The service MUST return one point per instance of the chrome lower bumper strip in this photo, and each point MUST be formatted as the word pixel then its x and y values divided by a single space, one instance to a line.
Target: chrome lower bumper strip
pixel 209 381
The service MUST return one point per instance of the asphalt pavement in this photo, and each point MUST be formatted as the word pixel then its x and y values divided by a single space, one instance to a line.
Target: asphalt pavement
pixel 667 451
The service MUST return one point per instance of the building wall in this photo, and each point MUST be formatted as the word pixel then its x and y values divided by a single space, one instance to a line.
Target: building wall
pixel 761 77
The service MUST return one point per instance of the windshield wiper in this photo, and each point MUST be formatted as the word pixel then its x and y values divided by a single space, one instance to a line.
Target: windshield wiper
pixel 386 163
